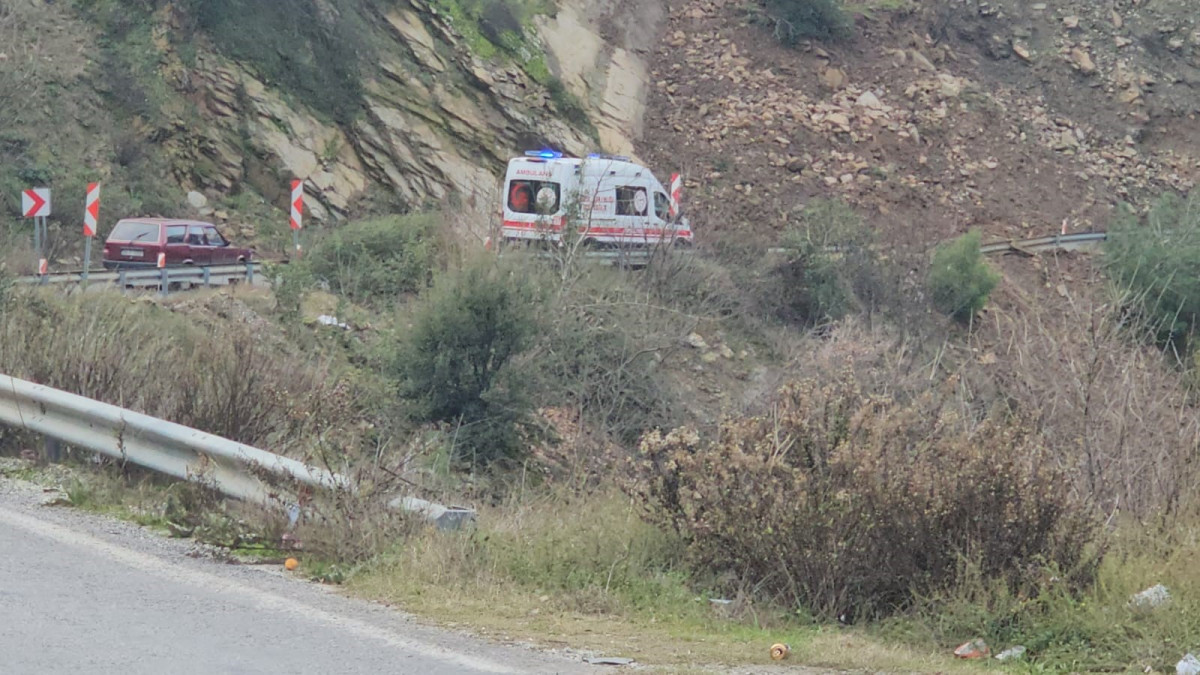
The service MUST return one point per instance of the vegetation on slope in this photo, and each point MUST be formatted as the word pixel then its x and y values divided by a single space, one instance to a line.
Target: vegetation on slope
pixel 1051 461
pixel 791 507
pixel 1156 256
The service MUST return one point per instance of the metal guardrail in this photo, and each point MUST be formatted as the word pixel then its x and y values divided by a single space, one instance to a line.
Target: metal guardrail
pixel 163 279
pixel 237 470
pixel 223 275
pixel 1057 242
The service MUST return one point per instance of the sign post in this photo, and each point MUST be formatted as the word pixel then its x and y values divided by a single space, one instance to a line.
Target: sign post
pixel 164 279
pixel 676 194
pixel 297 222
pixel 91 216
pixel 35 203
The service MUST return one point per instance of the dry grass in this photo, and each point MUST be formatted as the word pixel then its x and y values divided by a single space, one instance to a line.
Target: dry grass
pixel 208 361
pixel 586 573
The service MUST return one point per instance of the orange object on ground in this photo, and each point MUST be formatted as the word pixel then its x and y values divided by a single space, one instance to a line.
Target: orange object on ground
pixel 291 563
pixel 975 649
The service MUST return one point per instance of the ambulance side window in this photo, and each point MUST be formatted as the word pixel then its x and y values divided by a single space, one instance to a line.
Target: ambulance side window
pixel 631 201
pixel 662 206
pixel 532 196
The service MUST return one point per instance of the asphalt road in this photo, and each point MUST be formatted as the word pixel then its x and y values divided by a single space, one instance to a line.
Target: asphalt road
pixel 85 594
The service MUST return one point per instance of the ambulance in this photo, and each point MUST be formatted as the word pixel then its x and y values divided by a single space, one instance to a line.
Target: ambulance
pixel 612 201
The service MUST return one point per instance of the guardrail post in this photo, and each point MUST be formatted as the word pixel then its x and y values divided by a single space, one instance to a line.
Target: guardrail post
pixel 121 280
pixel 165 282
pixel 206 277
pixel 249 273
pixel 52 449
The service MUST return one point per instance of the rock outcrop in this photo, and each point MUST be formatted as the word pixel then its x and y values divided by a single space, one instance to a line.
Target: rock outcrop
pixel 438 122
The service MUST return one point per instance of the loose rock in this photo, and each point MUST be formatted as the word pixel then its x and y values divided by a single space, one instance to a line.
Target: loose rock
pixel 1012 653
pixel 1083 61
pixel 1151 598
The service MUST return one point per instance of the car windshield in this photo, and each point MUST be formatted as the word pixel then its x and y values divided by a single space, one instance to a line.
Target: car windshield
pixel 134 231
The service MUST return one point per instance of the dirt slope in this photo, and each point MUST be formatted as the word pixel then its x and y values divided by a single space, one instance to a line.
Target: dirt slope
pixel 935 119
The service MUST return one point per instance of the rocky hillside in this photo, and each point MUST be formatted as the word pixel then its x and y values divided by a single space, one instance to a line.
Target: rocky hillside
pixel 939 116
pixel 385 105
pixel 936 117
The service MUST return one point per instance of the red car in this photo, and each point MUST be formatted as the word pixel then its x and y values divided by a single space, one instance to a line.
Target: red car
pixel 136 242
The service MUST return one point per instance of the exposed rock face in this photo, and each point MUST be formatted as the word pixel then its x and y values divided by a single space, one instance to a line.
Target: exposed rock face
pixel 438 122
pixel 612 79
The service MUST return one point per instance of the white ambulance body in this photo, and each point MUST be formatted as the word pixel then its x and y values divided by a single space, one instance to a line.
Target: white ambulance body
pixel 614 201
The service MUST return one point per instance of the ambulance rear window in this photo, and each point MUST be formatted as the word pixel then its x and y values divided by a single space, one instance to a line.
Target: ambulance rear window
pixel 533 196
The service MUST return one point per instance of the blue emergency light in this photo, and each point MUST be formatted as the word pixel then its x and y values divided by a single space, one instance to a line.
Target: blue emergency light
pixel 544 154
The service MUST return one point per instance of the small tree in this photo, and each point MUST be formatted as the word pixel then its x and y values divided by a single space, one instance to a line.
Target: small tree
pixel 832 270
pixel 795 20
pixel 1157 259
pixel 959 279
pixel 455 364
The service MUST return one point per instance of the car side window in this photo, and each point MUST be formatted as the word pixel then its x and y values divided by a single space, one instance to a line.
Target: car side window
pixel 213 237
pixel 175 234
pixel 195 236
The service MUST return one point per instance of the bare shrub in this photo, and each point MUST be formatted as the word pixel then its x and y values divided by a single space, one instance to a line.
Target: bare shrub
pixel 845 499
pixel 601 354
pixel 1112 406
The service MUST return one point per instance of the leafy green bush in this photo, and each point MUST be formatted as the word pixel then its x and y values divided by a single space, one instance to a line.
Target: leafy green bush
pixel 843 500
pixel 289 283
pixel 456 364
pixel 380 259
pixel 959 279
pixel 794 20
pixel 1157 259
